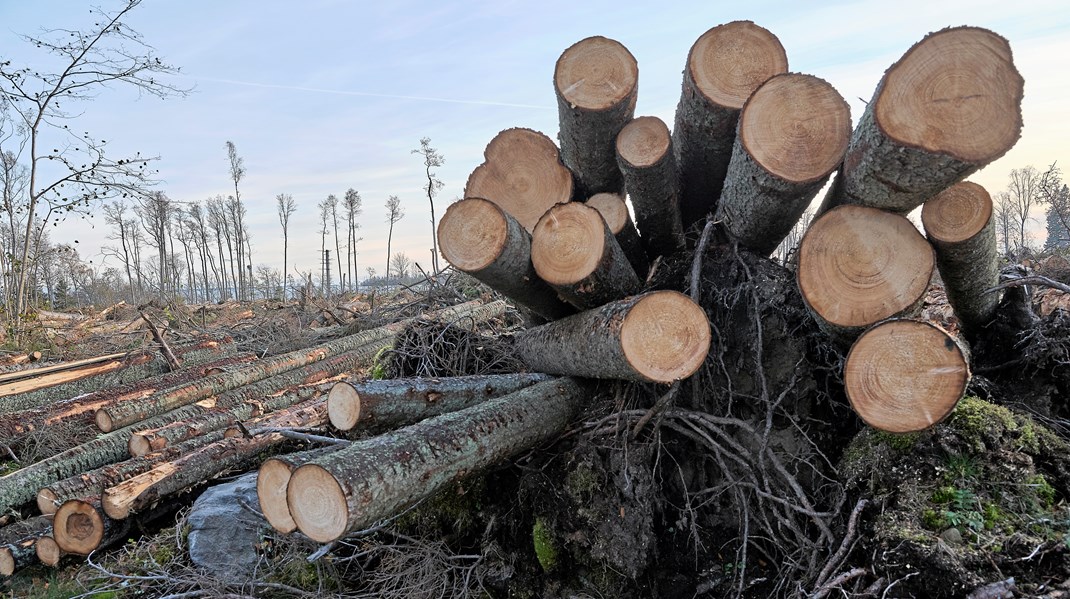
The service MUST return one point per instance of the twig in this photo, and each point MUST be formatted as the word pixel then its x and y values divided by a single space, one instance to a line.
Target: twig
pixel 290 433
pixel 173 363
pixel 827 588
pixel 1030 280
pixel 656 409
pixel 696 265
pixel 848 537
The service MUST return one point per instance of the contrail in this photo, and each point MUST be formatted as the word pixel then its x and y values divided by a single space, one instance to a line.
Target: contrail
pixel 342 92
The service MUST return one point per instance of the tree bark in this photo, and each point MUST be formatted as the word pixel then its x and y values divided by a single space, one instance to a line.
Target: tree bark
pixel 522 173
pixel 724 67
pixel 480 238
pixel 574 251
pixel 960 225
pixel 949 106
pixel 858 266
pixel 16 543
pixel 386 404
pixel 615 212
pixel 660 336
pixel 351 488
pixel 793 132
pixel 905 375
pixel 597 82
pixel 647 163
pixel 271 480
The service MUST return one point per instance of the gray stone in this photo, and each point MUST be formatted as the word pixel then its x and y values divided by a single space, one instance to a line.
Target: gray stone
pixel 224 533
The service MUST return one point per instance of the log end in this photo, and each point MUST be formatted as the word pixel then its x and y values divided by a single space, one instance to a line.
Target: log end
pixel 317 503
pixel 48 551
pixel 472 234
pixel 612 208
pixel 568 243
pixel 104 421
pixel 905 375
pixel 343 406
pixel 138 445
pixel 665 336
pixel 78 527
pixel 958 213
pixel 596 73
pixel 644 142
pixel 7 562
pixel 271 482
pixel 730 61
pixel 46 501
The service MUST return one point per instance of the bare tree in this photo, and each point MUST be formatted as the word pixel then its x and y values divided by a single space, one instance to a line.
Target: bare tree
pixel 286 206
pixel 332 204
pixel 236 210
pixel 352 204
pixel 1006 230
pixel 1024 192
pixel 394 213
pixel 432 159
pixel 325 214
pixel 70 170
pixel 155 213
pixel 400 264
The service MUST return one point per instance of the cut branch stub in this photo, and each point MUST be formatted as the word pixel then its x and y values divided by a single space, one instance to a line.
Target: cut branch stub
pixel 858 266
pixel 522 173
pixel 596 81
pixel 615 212
pixel 660 336
pixel 480 238
pixel 645 157
pixel 724 67
pixel 905 375
pixel 951 105
pixel 793 133
pixel 960 226
pixel 574 251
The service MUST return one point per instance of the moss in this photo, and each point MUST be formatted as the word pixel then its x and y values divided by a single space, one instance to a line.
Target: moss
pixel 1045 492
pixel 298 573
pixel 454 509
pixel 900 442
pixel 976 420
pixel 583 482
pixel 992 515
pixel 8 467
pixel 380 365
pixel 944 494
pixel 545 549
pixel 933 520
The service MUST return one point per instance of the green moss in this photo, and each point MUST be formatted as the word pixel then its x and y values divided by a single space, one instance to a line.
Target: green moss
pixel 975 420
pixel 992 515
pixel 944 494
pixel 380 365
pixel 900 442
pixel 298 573
pixel 1045 492
pixel 933 520
pixel 8 467
pixel 545 549
pixel 583 482
pixel 454 509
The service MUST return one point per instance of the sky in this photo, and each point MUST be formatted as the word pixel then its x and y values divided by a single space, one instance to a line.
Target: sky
pixel 320 96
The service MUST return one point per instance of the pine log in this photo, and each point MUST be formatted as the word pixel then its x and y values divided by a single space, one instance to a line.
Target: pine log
pixel 522 173
pixel 355 486
pixel 648 165
pixel 724 67
pixel 574 251
pixel 659 336
pixel 951 105
pixel 387 404
pixel 793 132
pixel 480 238
pixel 905 375
pixel 960 225
pixel 597 82
pixel 615 212
pixel 113 417
pixel 54 375
pixel 271 480
pixel 48 551
pixel 80 527
pixel 169 478
pixel 859 266
pixel 17 541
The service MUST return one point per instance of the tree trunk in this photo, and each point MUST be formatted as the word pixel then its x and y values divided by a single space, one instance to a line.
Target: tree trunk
pixel 660 336
pixel 574 251
pixel 646 161
pixel 859 266
pixel 48 551
pixel 17 540
pixel 388 404
pixel 905 375
pixel 522 173
pixel 480 238
pixel 28 373
pixel 949 106
pixel 80 527
pixel 960 227
pixel 793 133
pixel 724 67
pixel 68 375
pixel 615 212
pixel 596 81
pixel 271 480
pixel 351 488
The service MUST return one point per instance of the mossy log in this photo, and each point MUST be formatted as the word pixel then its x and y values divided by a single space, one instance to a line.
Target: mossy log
pixel 17 541
pixel 271 480
pixel 648 165
pixel 615 212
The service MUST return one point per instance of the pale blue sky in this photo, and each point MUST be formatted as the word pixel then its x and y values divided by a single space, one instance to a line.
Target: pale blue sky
pixel 323 95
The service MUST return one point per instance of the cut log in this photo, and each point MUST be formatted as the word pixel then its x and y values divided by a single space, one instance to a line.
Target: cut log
pixel 80 527
pixel 574 251
pixel 960 226
pixel 48 551
pixel 16 359
pixel 16 543
pixel 949 106
pixel 660 336
pixel 905 375
pixel 358 485
pixel 646 161
pixel 615 212
pixel 858 266
pixel 597 82
pixel 724 67
pixel 793 133
pixel 522 173
pixel 480 238
pixel 50 376
pixel 271 480
pixel 391 403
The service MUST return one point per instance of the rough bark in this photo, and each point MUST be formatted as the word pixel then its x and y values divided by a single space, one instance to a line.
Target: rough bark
pixel 17 541
pixel 859 266
pixel 948 107
pixel 724 67
pixel 596 81
pixel 17 375
pixel 71 374
pixel 480 238
pixel 373 479
pixel 647 162
pixel 615 212
pixel 386 404
pixel 905 375
pixel 660 336
pixel 793 132
pixel 271 480
pixel 574 251
pixel 522 173
pixel 960 225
